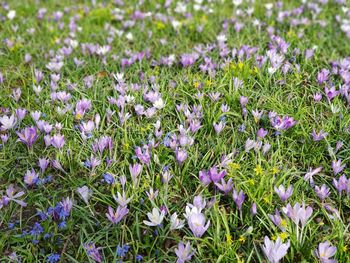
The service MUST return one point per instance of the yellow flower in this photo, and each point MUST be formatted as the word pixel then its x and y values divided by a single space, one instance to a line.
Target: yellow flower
pixel 275 170
pixel 229 239
pixel 321 223
pixel 241 239
pixel 251 181
pixel 232 65
pixel 196 84
pixel 234 166
pixel 78 116
pixel 344 248
pixel 273 238
pixel 266 199
pixel 256 70
pixel 208 82
pixel 126 146
pixel 283 223
pixel 283 236
pixel 160 25
pixel 240 65
pixel 258 170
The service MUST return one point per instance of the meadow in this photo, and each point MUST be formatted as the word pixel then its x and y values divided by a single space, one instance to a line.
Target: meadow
pixel 175 131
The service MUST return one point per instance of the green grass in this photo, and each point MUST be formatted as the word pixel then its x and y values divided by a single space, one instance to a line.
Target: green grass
pixel 233 236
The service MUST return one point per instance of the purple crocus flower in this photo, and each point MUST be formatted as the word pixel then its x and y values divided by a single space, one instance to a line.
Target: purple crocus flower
pixel 282 123
pixel 283 193
pixel 116 216
pixel 322 192
pixel 331 92
pixel 57 141
pixel 11 196
pixel 135 171
pixel 309 175
pixel 31 177
pixel 188 59
pixel 261 133
pixel 181 155
pixel 28 136
pixel 318 136
pixel 277 219
pixel 21 113
pixel 196 221
pixel 93 252
pixel 218 127
pixel 325 251
pixel 337 167
pixel 184 253
pixel 253 209
pixel 225 187
pixel 238 198
pixel 322 76
pixel 275 251
pixel 216 176
pixel 298 213
pixel 342 184
pixel 204 177
pixel 143 154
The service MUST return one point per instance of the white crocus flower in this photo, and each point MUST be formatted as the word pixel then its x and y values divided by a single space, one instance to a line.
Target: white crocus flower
pixel 155 218
pixel 7 122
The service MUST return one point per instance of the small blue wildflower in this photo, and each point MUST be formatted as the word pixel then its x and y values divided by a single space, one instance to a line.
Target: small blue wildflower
pixel 87 164
pixel 122 250
pixel 11 225
pixel 36 230
pixel 53 258
pixel 47 235
pixel 35 241
pixel 139 258
pixel 108 178
pixel 241 128
pixel 62 225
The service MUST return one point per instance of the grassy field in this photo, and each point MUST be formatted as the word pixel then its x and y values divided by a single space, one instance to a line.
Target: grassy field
pixel 175 131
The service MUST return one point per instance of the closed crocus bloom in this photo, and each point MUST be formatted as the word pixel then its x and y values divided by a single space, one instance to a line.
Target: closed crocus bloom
pixel 204 177
pixel 57 141
pixel 135 171
pixel 181 155
pixel 298 213
pixel 238 198
pixel 337 167
pixel 253 210
pixel 283 193
pixel 275 251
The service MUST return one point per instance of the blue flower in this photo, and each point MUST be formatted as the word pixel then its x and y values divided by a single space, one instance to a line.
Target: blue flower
pixel 108 178
pixel 62 225
pixel 53 258
pixel 122 250
pixel 36 230
pixel 139 258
